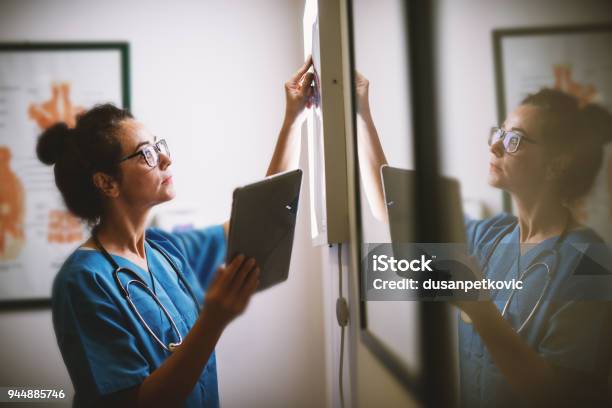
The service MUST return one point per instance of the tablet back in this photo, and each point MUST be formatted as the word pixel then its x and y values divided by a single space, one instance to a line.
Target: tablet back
pixel 262 224
pixel 399 188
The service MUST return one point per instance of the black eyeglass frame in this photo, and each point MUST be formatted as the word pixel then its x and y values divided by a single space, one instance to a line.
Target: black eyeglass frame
pixel 158 147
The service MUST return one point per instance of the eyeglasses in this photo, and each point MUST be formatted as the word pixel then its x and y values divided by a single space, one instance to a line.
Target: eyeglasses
pixel 150 153
pixel 510 139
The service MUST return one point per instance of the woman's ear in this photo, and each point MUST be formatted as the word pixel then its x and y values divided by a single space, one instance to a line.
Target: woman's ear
pixel 557 167
pixel 106 184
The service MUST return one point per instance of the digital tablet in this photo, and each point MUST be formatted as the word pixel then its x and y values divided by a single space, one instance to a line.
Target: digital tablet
pixel 262 224
pixel 399 189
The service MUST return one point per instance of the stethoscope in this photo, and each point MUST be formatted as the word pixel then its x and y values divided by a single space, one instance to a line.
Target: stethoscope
pixel 137 280
pixel 551 269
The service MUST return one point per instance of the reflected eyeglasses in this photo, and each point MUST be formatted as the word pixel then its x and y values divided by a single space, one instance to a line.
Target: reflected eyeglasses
pixel 150 153
pixel 510 139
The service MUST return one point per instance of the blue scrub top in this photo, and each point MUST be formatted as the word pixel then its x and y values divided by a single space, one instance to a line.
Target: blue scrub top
pixel 569 334
pixel 104 345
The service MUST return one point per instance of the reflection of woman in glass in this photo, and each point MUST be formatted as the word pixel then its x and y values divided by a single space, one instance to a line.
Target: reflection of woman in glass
pixel 546 155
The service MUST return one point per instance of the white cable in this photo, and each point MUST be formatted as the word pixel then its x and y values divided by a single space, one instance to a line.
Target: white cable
pixel 341 364
pixel 342 324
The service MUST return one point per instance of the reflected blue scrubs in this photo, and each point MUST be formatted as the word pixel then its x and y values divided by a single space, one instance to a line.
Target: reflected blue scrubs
pixel 105 347
pixel 569 334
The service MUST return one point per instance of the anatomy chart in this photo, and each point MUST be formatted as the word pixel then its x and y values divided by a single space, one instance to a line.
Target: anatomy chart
pixel 38 88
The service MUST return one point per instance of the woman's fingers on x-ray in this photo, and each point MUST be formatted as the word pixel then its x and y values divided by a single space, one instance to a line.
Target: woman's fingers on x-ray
pixel 308 89
pixel 307 80
pixel 300 72
pixel 309 100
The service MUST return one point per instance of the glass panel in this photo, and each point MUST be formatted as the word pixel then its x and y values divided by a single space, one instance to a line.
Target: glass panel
pixel 533 198
pixel 384 137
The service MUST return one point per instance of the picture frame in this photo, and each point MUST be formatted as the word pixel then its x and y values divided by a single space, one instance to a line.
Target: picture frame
pixel 42 84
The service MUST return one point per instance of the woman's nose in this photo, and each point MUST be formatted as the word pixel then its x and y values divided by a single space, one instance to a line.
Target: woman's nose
pixel 497 148
pixel 164 161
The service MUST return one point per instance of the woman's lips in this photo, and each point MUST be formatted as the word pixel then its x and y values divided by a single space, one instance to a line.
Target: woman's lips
pixel 493 167
pixel 167 180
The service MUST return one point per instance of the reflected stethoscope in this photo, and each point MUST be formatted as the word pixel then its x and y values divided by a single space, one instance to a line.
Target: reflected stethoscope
pixel 551 269
pixel 137 280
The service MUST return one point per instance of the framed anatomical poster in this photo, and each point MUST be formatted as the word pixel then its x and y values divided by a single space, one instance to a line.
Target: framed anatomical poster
pixel 40 85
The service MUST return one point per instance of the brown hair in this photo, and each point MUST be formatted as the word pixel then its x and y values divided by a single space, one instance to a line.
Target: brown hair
pixel 79 152
pixel 579 132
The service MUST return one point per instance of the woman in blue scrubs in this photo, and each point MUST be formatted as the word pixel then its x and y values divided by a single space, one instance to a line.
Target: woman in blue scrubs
pixel 157 350
pixel 558 353
pixel 546 155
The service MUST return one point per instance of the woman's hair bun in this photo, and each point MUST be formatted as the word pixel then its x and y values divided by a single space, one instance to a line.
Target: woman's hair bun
pixel 52 142
pixel 597 123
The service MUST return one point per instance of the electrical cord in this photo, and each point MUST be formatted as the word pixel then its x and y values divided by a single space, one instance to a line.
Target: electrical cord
pixel 342 316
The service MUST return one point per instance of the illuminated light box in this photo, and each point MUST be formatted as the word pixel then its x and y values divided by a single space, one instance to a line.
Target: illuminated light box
pixel 326 123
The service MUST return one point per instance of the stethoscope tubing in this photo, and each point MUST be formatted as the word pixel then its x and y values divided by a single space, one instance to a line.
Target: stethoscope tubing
pixel 137 280
pixel 537 304
pixel 550 272
pixel 171 346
